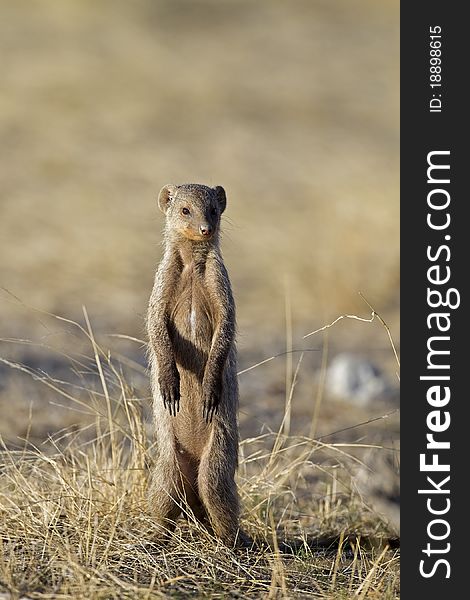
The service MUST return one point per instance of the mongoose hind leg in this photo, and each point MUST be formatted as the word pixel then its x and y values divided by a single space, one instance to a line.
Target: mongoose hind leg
pixel 165 495
pixel 218 493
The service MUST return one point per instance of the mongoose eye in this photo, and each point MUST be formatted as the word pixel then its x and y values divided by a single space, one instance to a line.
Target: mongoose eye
pixel 213 212
pixel 185 211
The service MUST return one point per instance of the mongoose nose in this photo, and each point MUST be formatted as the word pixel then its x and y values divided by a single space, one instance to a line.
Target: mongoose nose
pixel 205 229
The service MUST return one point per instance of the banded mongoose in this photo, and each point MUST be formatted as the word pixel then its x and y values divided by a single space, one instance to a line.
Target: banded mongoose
pixel 191 329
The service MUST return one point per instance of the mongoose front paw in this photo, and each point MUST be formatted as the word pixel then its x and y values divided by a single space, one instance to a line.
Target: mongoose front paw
pixel 169 384
pixel 211 401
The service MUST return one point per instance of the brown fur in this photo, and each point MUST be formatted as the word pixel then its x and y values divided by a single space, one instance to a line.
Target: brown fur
pixel 191 328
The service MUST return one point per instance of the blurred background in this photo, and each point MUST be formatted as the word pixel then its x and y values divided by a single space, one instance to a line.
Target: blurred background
pixel 291 106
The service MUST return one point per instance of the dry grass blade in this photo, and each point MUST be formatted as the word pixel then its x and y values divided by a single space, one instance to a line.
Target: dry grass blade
pixel 104 385
pixel 320 387
pixel 374 315
pixel 278 579
pixel 337 561
pixel 289 362
pixel 362 590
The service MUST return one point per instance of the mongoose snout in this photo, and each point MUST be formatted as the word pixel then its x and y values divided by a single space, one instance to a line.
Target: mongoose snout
pixel 205 229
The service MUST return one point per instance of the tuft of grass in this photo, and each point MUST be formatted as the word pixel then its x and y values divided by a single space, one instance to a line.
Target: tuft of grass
pixel 74 520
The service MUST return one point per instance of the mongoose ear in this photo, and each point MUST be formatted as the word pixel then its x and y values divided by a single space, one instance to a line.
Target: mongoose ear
pixel 221 197
pixel 165 197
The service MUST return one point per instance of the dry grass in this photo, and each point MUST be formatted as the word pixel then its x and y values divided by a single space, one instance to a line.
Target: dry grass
pixel 75 523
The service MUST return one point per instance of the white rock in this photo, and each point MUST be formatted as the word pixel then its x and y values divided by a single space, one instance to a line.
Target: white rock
pixel 354 378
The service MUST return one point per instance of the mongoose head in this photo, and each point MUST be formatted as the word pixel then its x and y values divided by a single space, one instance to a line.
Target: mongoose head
pixel 193 210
